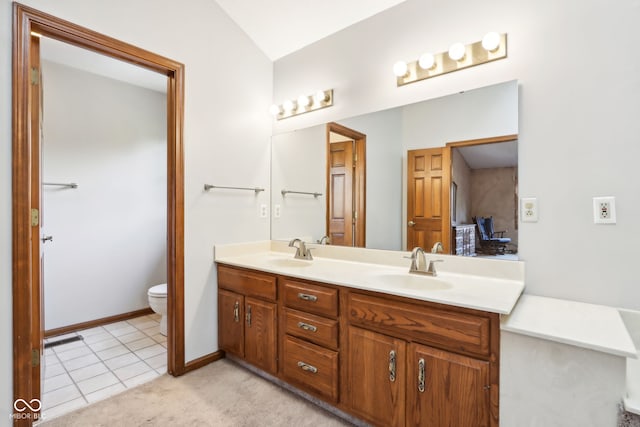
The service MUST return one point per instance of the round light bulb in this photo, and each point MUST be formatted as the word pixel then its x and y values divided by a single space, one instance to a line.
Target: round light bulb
pixel 491 41
pixel 303 101
pixel 274 110
pixel 457 51
pixel 320 97
pixel 288 106
pixel 400 69
pixel 427 61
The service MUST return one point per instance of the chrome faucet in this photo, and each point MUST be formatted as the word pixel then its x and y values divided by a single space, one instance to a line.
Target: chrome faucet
pixel 437 248
pixel 302 252
pixel 422 268
pixel 324 241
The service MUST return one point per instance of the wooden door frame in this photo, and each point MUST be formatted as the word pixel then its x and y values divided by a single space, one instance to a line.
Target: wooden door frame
pixel 359 177
pixel 25 21
pixel 447 151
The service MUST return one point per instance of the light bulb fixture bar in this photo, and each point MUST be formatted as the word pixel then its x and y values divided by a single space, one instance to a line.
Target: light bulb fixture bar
pixel 304 104
pixel 459 56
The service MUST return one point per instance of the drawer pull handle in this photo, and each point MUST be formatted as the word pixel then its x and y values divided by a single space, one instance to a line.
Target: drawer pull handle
pixel 307 367
pixel 307 297
pixel 236 312
pixel 392 366
pixel 307 327
pixel 249 315
pixel 421 375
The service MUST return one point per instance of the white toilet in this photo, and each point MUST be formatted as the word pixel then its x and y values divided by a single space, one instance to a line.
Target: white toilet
pixel 158 303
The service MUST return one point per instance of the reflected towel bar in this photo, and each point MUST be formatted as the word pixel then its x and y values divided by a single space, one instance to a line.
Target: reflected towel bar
pixel 70 185
pixel 208 187
pixel 300 192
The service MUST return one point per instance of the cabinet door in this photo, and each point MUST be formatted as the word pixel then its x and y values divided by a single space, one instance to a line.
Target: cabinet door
pixel 376 379
pixel 231 322
pixel 446 389
pixel 260 334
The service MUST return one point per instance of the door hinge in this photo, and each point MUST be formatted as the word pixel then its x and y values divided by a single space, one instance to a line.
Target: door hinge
pixel 35 76
pixel 35 357
pixel 35 217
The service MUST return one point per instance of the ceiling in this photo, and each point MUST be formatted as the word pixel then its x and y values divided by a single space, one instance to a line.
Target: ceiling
pixel 280 27
pixel 498 155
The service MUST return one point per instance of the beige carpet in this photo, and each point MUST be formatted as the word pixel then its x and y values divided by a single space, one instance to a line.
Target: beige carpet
pixel 220 394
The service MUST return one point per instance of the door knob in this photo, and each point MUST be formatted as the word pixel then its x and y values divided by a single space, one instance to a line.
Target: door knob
pixel 411 223
pixel 47 239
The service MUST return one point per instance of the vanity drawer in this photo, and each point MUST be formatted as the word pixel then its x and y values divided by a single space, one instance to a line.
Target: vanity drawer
pixel 454 331
pixel 311 367
pixel 312 298
pixel 313 328
pixel 247 282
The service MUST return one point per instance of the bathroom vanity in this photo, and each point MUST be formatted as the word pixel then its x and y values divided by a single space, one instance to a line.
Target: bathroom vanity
pixel 366 337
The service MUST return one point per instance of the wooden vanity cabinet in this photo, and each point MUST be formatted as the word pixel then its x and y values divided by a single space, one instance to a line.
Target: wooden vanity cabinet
pixel 247 316
pixel 310 337
pixel 389 360
pixel 397 377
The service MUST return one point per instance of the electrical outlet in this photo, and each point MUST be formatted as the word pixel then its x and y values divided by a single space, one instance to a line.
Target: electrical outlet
pixel 529 209
pixel 276 211
pixel 604 210
pixel 263 211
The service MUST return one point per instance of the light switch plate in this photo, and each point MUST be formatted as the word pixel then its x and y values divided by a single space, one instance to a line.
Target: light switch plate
pixel 529 209
pixel 604 210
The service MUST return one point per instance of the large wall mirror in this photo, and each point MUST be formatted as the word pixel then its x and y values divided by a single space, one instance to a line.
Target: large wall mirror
pixel 450 160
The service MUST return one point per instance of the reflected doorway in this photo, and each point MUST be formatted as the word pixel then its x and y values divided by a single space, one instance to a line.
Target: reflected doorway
pixel 346 186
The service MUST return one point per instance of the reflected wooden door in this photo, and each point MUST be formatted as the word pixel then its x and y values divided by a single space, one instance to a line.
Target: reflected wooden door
pixel 340 213
pixel 428 176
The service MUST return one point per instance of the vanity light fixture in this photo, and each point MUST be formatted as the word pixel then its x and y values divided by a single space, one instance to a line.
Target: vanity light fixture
pixel 427 61
pixel 304 104
pixel 492 47
pixel 400 69
pixel 457 51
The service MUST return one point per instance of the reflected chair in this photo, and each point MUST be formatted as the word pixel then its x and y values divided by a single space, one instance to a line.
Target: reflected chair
pixel 491 242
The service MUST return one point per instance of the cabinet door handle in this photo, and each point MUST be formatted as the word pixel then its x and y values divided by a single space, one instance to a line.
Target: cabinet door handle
pixel 249 315
pixel 307 297
pixel 236 312
pixel 307 367
pixel 392 365
pixel 307 327
pixel 421 375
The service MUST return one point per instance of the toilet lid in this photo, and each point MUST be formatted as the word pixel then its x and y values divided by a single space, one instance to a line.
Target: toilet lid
pixel 158 290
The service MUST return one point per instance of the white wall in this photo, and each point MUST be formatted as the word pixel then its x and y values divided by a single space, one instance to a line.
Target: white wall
pixel 226 134
pixel 577 128
pixel 109 234
pixel 299 163
pixel 384 171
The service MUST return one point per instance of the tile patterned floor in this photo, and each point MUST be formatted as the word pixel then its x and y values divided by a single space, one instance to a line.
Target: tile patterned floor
pixel 110 359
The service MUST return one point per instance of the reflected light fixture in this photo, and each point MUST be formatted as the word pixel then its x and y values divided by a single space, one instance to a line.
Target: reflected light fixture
pixel 304 104
pixel 492 47
pixel 289 106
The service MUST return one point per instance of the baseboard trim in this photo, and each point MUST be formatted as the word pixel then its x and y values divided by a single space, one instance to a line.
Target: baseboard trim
pixel 98 322
pixel 203 361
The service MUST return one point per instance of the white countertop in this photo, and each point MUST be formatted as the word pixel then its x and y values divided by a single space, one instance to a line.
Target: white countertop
pixel 463 282
pixel 595 327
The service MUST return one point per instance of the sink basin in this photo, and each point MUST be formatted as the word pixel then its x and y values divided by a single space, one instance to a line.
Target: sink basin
pixel 413 282
pixel 288 262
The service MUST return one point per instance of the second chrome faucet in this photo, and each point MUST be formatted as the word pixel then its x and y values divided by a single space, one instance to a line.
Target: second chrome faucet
pixel 419 263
